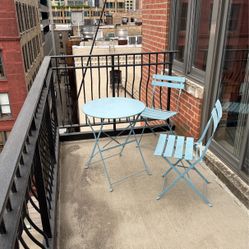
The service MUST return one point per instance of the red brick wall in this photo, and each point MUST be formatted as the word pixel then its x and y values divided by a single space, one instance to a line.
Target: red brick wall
pixel 188 119
pixel 155 14
pixel 155 32
pixel 14 84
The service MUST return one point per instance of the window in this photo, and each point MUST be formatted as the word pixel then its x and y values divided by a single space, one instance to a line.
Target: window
pixel 2 75
pixel 181 29
pixel 4 105
pixel 20 17
pixel 132 39
pixel 190 23
pixel 233 83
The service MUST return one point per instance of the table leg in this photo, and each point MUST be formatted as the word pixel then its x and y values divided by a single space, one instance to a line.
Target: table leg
pixel 96 145
pixel 132 125
pixel 96 137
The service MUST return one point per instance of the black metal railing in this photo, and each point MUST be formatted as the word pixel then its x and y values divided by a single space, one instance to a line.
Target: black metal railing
pixel 29 160
pixel 28 170
pixel 83 78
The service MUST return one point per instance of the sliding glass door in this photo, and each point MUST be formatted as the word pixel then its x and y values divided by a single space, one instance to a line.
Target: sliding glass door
pixel 232 133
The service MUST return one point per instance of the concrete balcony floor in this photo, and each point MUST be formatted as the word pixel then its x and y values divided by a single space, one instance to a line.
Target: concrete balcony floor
pixel 130 217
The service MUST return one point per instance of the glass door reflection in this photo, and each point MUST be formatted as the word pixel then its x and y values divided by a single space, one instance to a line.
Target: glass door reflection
pixel 234 85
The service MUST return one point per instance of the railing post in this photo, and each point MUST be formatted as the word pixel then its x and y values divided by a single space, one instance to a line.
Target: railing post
pixel 113 81
pixel 51 136
pixel 52 89
pixel 41 193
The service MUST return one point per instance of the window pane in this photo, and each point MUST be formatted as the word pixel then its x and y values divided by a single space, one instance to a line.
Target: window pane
pixel 4 99
pixel 181 29
pixel 4 104
pixel 5 110
pixel 234 85
pixel 202 39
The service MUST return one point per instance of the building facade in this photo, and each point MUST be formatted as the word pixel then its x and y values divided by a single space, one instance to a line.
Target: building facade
pixel 68 2
pixel 22 47
pixel 112 15
pixel 212 41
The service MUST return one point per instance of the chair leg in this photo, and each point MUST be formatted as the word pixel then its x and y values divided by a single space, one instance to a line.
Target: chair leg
pixel 169 126
pixel 142 133
pixel 167 189
pixel 146 125
pixel 188 181
pixel 138 146
pixel 203 197
pixel 199 173
pixel 167 172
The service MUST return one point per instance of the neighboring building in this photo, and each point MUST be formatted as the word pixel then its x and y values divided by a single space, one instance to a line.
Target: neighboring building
pixel 22 47
pixel 91 11
pixel 63 15
pixel 128 18
pixel 46 27
pixel 62 32
pixel 126 77
pixel 213 55
pixel 68 2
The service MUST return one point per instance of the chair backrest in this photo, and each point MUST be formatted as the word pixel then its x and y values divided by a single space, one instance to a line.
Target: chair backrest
pixel 168 81
pixel 212 123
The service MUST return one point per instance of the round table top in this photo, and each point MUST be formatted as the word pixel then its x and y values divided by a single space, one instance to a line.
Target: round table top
pixel 113 108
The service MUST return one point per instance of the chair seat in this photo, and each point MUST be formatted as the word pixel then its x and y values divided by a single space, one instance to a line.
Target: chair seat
pixel 157 114
pixel 179 147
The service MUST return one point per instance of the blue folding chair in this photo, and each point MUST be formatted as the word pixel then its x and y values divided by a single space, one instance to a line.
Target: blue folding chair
pixel 185 149
pixel 151 113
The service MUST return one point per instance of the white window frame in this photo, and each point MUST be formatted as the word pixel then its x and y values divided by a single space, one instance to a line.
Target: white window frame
pixel 5 109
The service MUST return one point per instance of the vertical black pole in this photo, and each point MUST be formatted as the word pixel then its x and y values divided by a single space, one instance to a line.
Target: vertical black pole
pixel 53 100
pixel 113 82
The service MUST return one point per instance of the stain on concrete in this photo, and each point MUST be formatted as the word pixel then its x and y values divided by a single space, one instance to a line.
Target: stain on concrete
pixel 86 222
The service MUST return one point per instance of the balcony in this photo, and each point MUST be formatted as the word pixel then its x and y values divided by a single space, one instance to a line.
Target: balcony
pixel 48 199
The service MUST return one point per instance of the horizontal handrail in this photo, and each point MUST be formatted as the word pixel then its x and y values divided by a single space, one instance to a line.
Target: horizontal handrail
pixel 10 155
pixel 116 54
pixel 28 166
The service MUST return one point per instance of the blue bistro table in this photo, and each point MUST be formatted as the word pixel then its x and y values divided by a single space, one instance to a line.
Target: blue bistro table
pixel 114 108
